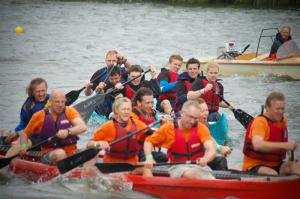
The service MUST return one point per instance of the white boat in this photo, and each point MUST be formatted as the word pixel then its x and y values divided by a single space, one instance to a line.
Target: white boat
pixel 233 62
pixel 289 67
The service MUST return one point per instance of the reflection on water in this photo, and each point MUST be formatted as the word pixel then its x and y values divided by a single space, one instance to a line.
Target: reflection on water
pixel 65 42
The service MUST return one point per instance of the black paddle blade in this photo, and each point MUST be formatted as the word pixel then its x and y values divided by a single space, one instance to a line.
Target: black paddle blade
pixel 5 161
pixel 86 107
pixel 243 117
pixel 72 96
pixel 73 161
pixel 116 167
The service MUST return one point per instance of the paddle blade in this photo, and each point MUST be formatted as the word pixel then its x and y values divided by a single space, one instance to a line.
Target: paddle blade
pixel 243 117
pixel 86 107
pixel 5 161
pixel 72 96
pixel 73 161
pixel 116 167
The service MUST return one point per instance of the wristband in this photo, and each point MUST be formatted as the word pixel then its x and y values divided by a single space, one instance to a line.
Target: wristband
pixel 218 148
pixel 23 146
pixel 149 157
pixel 69 132
pixel 96 145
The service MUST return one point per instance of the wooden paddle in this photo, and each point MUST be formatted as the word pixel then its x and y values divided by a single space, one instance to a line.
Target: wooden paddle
pixel 73 95
pixel 5 161
pixel 77 159
pixel 240 115
pixel 87 107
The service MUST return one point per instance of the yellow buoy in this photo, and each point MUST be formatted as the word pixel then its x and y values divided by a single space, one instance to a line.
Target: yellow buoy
pixel 19 29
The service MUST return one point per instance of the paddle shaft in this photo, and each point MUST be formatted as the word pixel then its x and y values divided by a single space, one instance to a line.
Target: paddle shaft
pixel 86 107
pixel 80 158
pixel 133 133
pixel 5 161
pixel 73 95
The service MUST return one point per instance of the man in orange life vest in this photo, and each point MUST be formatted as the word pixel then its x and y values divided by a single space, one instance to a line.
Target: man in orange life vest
pixel 185 81
pixel 266 141
pixel 143 110
pixel 64 122
pixel 208 88
pixel 186 139
pixel 167 81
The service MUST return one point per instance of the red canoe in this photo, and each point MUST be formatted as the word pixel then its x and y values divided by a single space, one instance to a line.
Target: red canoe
pixel 165 187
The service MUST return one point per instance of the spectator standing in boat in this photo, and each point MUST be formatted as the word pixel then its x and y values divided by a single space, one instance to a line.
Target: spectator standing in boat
pixel 167 82
pixel 112 59
pixel 266 141
pixel 143 110
pixel 283 36
pixel 186 139
pixel 37 100
pixel 209 89
pixel 185 81
pixel 60 120
pixel 133 86
pixel 121 125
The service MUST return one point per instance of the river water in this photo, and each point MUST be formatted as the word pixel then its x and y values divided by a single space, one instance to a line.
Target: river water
pixel 65 42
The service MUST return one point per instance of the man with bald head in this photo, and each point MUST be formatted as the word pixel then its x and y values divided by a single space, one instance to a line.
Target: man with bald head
pixel 60 120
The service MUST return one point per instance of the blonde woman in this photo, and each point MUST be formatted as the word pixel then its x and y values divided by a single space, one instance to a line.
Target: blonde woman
pixel 210 90
pixel 121 125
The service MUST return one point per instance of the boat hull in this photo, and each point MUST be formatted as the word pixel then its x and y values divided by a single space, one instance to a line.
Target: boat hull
pixel 165 187
pixel 285 68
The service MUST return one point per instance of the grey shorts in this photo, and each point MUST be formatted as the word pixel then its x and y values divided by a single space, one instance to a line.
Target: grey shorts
pixel 177 171
pixel 46 159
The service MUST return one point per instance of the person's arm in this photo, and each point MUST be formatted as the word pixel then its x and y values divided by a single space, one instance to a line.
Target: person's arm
pixel 210 150
pixel 181 91
pixel 197 89
pixel 166 87
pixel 154 86
pixel 23 120
pixel 91 85
pixel 23 142
pixel 260 144
pixel 78 125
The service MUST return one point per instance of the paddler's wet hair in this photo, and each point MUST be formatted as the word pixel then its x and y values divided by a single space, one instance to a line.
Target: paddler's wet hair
pixel 192 61
pixel 116 70
pixel 199 100
pixel 177 57
pixel 34 82
pixel 118 102
pixel 286 27
pixel 111 52
pixel 140 93
pixel 274 96
pixel 135 68
pixel 188 104
pixel 212 64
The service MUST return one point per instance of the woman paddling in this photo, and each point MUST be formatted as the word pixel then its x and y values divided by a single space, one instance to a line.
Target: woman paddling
pixel 121 125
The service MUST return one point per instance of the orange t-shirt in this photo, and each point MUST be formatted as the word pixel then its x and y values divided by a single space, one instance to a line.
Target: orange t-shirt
pixel 36 125
pixel 165 135
pixel 260 128
pixel 107 132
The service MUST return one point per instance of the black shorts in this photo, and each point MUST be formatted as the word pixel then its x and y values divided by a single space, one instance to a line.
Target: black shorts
pixel 254 170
